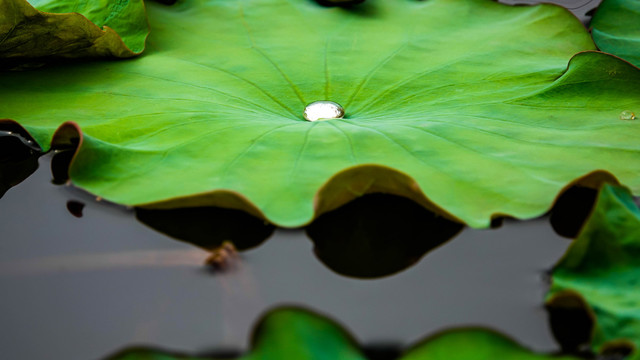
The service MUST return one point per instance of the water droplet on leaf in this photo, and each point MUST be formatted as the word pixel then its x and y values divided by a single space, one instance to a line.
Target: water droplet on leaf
pixel 323 110
pixel 627 115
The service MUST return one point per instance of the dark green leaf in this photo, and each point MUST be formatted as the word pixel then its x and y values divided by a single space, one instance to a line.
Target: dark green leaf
pixel 616 29
pixel 602 270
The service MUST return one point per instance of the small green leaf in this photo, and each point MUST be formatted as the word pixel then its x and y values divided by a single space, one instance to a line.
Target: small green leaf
pixel 466 106
pixel 473 344
pixel 46 29
pixel 292 333
pixel 616 29
pixel 603 267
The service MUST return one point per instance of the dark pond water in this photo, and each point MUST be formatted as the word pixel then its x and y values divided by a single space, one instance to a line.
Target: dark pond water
pixel 82 278
pixel 80 288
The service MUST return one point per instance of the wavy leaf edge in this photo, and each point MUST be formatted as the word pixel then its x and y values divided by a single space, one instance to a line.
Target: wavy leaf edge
pixel 104 40
pixel 343 187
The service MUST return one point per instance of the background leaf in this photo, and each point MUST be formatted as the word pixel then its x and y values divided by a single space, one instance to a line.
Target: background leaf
pixel 47 29
pixel 602 267
pixel 615 29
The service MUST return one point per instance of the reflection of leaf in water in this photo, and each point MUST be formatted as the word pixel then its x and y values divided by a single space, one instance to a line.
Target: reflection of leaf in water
pixel 570 325
pixel 18 159
pixel 208 227
pixel 42 30
pixel 600 273
pixel 472 99
pixel 378 235
pixel 345 3
pixel 571 210
pixel 292 333
pixel 616 29
pixel 75 208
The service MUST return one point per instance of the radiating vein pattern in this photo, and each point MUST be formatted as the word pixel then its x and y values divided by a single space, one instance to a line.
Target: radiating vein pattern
pixel 476 101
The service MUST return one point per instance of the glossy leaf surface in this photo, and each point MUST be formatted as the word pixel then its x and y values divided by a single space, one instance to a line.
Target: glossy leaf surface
pixel 615 29
pixel 291 333
pixel 603 267
pixel 466 106
pixel 45 29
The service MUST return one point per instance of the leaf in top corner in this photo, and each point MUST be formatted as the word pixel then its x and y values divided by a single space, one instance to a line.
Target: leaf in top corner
pixel 615 28
pixel 42 30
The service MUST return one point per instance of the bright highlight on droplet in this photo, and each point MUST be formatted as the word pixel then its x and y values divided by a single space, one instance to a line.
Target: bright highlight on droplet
pixel 323 109
pixel 627 115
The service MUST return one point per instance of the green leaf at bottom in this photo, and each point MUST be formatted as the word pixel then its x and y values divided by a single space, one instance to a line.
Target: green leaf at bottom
pixel 292 333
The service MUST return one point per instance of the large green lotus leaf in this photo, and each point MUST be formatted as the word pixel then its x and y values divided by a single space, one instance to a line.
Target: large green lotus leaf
pixel 603 267
pixel 615 29
pixel 291 333
pixel 69 28
pixel 469 102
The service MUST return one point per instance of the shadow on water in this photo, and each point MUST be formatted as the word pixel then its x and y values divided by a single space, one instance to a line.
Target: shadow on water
pixel 373 236
pixel 360 8
pixel 60 165
pixel 375 351
pixel 75 208
pixel 378 235
pixel 18 159
pixel 382 351
pixel 208 227
pixel 572 324
pixel 571 210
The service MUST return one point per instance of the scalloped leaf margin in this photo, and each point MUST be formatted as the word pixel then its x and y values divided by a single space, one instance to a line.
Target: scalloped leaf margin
pixel 477 111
